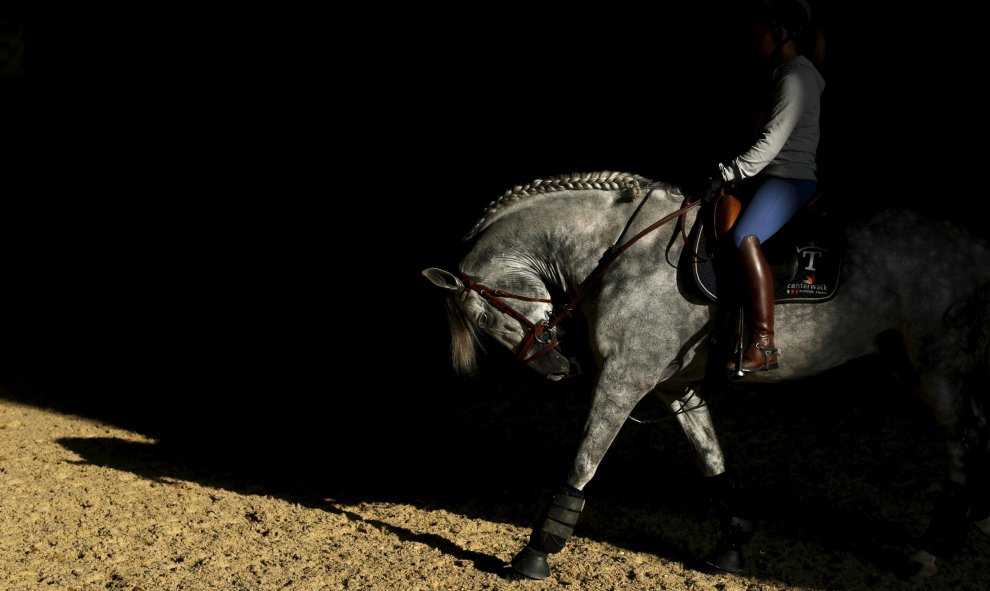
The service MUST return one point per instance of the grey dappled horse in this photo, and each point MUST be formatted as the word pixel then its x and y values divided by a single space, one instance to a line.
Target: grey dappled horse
pixel 926 279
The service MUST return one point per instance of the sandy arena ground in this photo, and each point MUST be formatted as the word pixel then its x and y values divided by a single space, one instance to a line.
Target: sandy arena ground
pixel 88 505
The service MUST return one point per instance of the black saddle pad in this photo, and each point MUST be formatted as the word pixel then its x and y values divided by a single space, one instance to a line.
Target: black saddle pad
pixel 805 257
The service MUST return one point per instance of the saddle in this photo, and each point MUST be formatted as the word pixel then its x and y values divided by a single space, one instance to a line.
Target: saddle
pixel 805 255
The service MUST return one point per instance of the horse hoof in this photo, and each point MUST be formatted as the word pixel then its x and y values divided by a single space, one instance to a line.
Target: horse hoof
pixel 531 564
pixel 726 558
pixel 921 565
pixel 983 525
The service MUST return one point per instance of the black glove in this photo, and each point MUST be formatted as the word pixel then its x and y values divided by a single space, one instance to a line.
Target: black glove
pixel 711 188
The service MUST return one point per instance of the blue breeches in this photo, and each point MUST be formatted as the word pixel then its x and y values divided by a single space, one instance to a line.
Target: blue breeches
pixel 774 203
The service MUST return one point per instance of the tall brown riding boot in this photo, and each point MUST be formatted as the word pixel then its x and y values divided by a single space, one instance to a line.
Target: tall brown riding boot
pixel 761 354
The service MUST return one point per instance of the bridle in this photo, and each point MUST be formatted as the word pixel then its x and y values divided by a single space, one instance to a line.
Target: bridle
pixel 545 331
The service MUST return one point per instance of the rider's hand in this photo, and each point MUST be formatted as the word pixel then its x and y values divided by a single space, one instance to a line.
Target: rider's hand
pixel 712 186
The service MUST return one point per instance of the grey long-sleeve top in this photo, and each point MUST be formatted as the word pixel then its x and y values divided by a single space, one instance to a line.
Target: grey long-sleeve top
pixel 788 142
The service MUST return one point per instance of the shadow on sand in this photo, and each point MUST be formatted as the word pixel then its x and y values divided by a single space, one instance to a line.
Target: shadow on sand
pixel 847 468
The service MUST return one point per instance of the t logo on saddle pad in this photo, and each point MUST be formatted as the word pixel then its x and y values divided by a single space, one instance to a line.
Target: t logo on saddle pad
pixel 815 277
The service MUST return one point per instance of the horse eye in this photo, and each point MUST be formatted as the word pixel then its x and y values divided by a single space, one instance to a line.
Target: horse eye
pixel 483 319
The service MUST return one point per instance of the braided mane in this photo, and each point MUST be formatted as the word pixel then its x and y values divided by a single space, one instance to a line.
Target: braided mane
pixel 603 180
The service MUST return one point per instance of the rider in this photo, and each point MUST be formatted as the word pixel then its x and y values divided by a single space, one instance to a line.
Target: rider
pixel 782 160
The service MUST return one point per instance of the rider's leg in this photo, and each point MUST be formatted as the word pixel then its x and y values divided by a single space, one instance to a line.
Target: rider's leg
pixel 773 205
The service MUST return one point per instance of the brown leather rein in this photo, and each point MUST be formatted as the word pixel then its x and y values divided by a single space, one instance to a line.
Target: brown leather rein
pixel 538 331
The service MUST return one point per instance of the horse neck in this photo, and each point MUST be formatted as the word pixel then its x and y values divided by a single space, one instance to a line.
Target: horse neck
pixel 558 241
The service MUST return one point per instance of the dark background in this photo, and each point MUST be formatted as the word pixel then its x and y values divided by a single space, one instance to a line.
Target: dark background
pixel 215 222
pixel 212 228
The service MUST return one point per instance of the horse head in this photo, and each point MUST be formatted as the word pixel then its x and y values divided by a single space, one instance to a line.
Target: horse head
pixel 523 327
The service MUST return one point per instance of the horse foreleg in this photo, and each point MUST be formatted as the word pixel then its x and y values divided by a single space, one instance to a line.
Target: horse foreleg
pixel 734 530
pixel 613 401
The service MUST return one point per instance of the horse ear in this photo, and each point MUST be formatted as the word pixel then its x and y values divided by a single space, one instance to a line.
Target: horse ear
pixel 444 279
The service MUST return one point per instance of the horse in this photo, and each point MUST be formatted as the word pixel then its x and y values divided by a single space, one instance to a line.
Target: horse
pixel 569 237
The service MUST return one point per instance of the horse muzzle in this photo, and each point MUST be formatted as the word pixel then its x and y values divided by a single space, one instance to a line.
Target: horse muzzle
pixel 552 365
